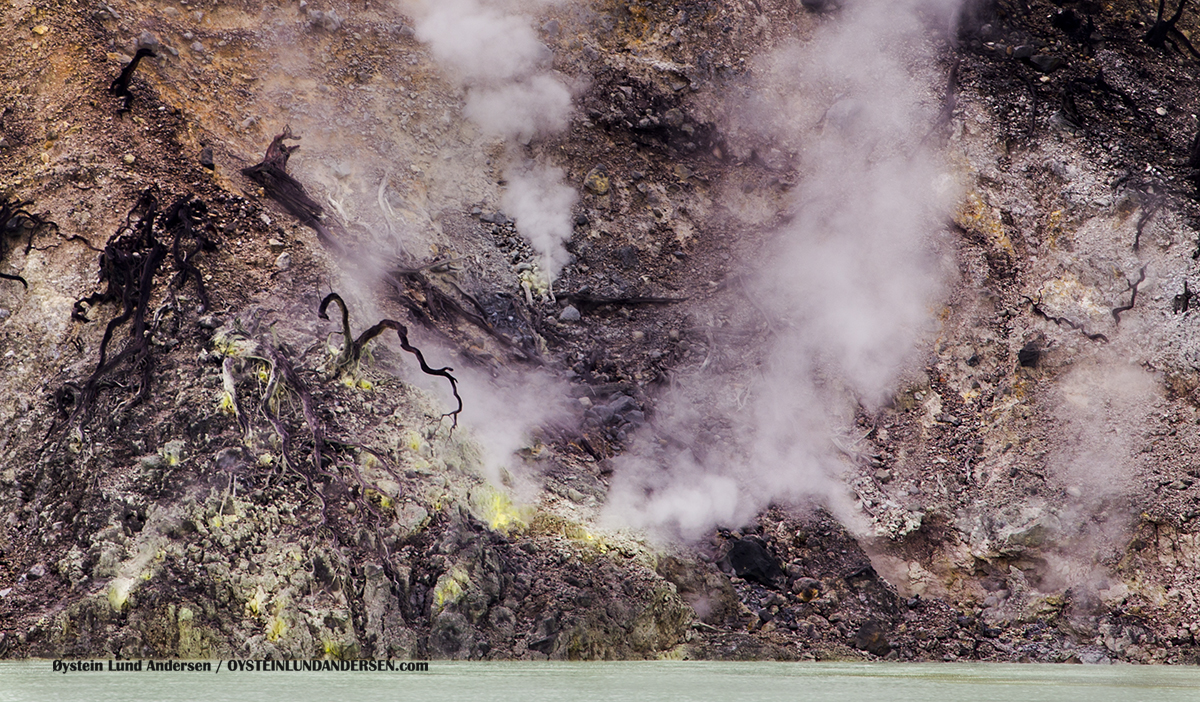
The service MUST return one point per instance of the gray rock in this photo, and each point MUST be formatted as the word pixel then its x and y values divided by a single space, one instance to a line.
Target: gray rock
pixel 502 620
pixel 569 314
pixel 451 635
pixel 284 261
pixel 36 572
pixel 228 458
pixel 151 462
pixel 622 403
pixel 147 40
pixel 329 21
pixel 206 158
pixel 603 413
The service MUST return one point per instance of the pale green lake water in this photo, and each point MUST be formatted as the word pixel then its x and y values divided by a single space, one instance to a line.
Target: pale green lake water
pixel 35 681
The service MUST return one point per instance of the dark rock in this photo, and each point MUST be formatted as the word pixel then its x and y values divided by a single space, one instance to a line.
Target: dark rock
pixel 1030 354
pixel 872 638
pixel 1023 51
pixel 807 589
pixel 707 591
pixel 627 255
pixel 1046 63
pixel 546 634
pixel 1067 21
pixel 581 220
pixel 750 560
pixel 206 158
pixel 569 314
pixel 544 644
pixel 819 5
pixel 36 572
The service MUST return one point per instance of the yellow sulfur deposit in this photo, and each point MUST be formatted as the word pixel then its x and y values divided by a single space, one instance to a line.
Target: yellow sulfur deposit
pixel 495 509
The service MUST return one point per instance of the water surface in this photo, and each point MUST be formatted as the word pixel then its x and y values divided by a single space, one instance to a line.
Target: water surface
pixel 658 681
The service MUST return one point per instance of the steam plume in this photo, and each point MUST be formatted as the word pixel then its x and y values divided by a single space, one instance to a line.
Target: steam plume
pixel 512 94
pixel 847 293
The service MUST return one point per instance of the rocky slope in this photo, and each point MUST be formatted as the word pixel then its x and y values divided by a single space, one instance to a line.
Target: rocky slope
pixel 194 466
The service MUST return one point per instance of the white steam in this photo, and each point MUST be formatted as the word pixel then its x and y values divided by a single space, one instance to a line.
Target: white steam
pixel 847 288
pixel 541 205
pixel 512 94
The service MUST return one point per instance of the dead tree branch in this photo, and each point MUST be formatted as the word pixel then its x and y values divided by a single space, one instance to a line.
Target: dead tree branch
pixel 272 175
pixel 14 220
pixel 352 348
pixel 1151 208
pixel 1116 312
pixel 120 86
pixel 1164 31
pixel 1036 306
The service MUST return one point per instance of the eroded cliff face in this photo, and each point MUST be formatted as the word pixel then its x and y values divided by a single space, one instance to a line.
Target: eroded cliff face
pixel 194 465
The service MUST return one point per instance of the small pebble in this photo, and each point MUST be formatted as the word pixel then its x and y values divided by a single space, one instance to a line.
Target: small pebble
pixel 570 314
pixel 1162 111
pixel 284 261
pixel 128 158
